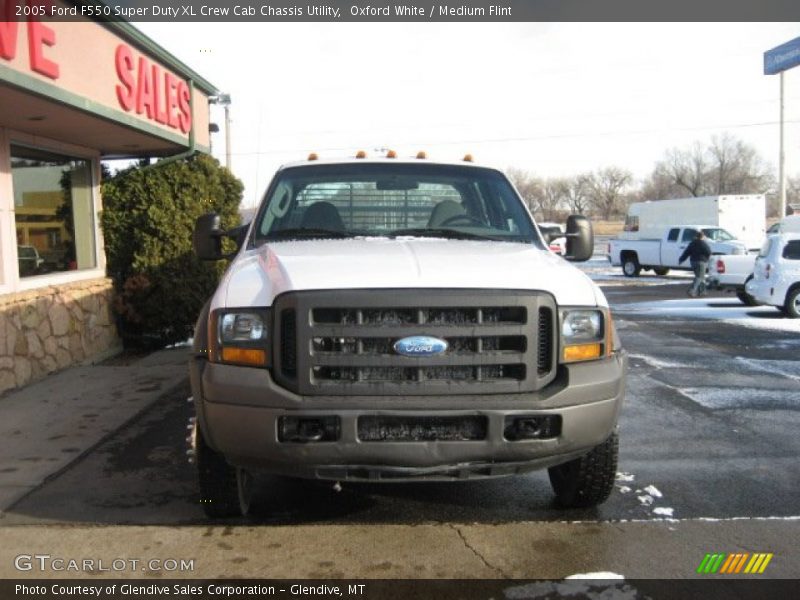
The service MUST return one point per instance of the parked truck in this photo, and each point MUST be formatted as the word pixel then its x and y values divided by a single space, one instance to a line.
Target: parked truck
pixel 734 272
pixel 743 216
pixel 661 255
pixel 401 320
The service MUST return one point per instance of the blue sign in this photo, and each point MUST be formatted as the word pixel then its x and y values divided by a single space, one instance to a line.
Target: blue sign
pixel 783 57
pixel 420 345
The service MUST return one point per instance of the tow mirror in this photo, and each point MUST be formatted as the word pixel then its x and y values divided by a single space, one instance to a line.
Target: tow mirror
pixel 207 237
pixel 580 238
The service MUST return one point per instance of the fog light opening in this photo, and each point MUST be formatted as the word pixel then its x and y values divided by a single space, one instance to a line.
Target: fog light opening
pixel 532 427
pixel 306 430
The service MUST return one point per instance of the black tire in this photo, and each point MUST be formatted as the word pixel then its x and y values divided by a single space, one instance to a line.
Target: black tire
pixel 746 298
pixel 588 480
pixel 660 271
pixel 791 307
pixel 631 266
pixel 225 491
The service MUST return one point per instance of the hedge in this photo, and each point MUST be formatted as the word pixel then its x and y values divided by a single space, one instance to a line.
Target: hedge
pixel 148 218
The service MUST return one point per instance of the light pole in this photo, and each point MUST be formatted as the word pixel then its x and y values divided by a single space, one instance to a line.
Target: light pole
pixel 224 100
pixel 778 60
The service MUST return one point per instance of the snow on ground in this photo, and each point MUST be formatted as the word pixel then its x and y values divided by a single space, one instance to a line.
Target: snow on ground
pixel 599 269
pixel 741 397
pixel 787 368
pixel 728 310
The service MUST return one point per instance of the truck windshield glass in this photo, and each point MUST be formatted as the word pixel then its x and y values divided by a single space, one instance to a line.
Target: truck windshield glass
pixel 718 235
pixel 419 200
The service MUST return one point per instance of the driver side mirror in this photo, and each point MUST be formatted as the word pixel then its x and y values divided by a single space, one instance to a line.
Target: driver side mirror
pixel 207 237
pixel 580 239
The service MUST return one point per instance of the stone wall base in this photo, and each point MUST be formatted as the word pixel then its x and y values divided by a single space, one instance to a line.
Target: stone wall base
pixel 49 329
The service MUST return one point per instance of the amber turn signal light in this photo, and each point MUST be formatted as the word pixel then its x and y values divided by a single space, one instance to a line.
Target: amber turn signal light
pixel 254 357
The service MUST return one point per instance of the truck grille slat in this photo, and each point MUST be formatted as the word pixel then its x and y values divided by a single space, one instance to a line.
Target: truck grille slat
pixel 499 341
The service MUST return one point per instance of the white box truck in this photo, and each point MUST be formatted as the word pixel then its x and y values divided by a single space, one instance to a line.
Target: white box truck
pixel 743 216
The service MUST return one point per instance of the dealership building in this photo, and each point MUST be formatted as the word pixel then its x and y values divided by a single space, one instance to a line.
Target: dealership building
pixel 72 94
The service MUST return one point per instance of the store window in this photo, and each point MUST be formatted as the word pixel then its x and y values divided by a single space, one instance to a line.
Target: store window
pixel 53 212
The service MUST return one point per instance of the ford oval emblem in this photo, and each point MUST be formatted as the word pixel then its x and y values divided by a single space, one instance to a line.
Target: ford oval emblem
pixel 420 345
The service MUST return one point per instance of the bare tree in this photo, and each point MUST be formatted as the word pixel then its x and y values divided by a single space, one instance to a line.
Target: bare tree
pixel 736 168
pixel 607 187
pixel 793 194
pixel 576 193
pixel 553 199
pixel 528 186
pixel 726 165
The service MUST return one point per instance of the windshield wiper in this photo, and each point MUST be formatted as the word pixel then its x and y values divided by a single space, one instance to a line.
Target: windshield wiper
pixel 449 234
pixel 298 233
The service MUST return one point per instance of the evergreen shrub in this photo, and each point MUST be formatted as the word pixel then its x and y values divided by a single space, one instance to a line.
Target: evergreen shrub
pixel 148 219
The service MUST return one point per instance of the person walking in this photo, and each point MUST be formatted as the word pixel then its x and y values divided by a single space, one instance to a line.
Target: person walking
pixel 698 252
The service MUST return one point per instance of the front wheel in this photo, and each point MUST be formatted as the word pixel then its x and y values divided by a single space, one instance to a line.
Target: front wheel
pixel 588 480
pixel 792 306
pixel 225 491
pixel 631 266
pixel 660 271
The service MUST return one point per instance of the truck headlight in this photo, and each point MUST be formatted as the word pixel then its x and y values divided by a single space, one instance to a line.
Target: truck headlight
pixel 583 334
pixel 240 337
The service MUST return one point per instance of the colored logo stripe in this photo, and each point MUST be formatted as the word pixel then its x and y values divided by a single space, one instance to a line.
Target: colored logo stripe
pixel 721 562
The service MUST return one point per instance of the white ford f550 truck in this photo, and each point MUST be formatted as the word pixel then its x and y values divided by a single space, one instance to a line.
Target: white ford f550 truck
pixel 401 320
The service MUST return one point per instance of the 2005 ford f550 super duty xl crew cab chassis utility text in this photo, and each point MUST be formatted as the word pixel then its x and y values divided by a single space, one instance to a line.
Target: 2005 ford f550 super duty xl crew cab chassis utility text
pixel 401 320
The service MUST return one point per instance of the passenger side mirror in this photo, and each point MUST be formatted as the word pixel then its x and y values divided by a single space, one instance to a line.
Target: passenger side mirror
pixel 207 237
pixel 580 239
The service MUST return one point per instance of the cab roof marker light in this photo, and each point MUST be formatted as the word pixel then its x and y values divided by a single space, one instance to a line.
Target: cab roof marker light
pixel 313 156
pixel 468 158
pixel 361 154
pixel 421 155
pixel 391 154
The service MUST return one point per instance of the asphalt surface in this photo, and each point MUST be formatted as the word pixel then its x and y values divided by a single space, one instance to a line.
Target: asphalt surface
pixel 708 439
pixel 720 454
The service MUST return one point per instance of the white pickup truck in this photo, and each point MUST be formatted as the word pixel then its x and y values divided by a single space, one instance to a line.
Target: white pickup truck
pixel 661 255
pixel 400 320
pixel 730 273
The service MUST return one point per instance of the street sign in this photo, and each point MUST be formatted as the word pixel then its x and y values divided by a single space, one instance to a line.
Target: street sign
pixel 782 58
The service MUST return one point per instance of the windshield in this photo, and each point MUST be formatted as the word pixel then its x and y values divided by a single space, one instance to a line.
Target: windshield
pixel 718 235
pixel 764 252
pixel 420 200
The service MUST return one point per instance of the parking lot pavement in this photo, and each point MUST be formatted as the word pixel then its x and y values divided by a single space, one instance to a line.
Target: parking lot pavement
pixel 48 425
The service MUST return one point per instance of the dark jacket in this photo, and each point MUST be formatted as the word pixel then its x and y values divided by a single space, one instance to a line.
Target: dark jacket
pixel 696 251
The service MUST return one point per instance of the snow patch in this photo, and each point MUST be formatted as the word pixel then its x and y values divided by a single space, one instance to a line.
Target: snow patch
pixel 754 398
pixel 787 368
pixel 663 511
pixel 653 491
pixel 620 476
pixel 727 310
pixel 624 489
pixel 646 500
pixel 598 575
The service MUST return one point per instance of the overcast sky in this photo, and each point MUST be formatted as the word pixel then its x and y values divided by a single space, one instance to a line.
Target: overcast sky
pixel 552 98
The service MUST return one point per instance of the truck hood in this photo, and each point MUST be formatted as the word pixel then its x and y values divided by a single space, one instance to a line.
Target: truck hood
pixel 257 276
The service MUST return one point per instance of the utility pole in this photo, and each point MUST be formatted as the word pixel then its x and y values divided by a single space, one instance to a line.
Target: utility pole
pixel 224 100
pixel 782 162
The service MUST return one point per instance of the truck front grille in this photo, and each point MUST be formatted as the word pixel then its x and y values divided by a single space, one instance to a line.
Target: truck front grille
pixel 341 342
